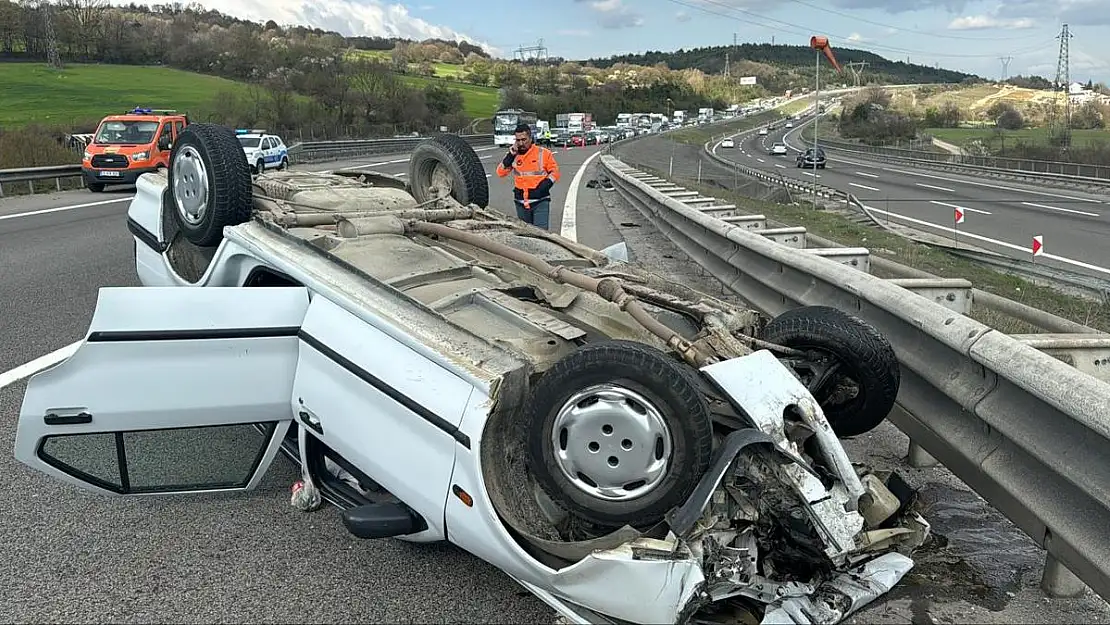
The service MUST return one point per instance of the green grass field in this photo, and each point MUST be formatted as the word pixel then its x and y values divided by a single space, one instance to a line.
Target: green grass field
pixel 31 92
pixel 477 101
pixel 961 136
pixel 442 70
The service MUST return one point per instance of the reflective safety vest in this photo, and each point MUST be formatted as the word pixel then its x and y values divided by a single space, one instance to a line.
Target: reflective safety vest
pixel 529 171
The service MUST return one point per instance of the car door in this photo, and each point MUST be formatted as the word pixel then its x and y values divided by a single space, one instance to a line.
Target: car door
pixel 387 409
pixel 172 390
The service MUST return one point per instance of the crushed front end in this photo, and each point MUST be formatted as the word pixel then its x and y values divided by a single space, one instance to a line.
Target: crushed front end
pixel 783 528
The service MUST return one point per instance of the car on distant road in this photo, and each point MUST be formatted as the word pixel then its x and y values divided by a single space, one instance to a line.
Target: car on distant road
pixel 789 124
pixel 812 158
pixel 778 148
pixel 626 448
pixel 762 132
pixel 264 151
pixel 728 143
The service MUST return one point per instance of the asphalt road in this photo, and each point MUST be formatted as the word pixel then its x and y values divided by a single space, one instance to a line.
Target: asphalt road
pixel 74 557
pixel 999 216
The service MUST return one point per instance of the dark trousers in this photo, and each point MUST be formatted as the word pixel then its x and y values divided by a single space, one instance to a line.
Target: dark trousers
pixel 538 213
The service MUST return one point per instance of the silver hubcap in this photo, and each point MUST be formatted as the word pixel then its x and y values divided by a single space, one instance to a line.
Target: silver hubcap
pixel 611 443
pixel 190 185
pixel 441 177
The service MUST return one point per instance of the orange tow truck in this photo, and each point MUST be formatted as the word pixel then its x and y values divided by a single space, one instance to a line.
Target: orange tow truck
pixel 127 146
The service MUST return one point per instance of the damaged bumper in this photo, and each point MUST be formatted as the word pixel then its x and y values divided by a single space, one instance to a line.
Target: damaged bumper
pixel 781 529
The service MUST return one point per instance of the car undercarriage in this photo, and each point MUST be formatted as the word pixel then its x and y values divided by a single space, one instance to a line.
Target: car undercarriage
pixel 633 420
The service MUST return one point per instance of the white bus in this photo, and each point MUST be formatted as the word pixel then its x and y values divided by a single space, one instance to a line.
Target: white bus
pixel 505 122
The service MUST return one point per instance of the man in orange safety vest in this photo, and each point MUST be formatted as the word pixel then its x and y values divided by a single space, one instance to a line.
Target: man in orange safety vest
pixel 534 172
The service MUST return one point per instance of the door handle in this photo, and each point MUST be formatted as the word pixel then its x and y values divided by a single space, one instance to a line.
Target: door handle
pixel 311 421
pixel 73 419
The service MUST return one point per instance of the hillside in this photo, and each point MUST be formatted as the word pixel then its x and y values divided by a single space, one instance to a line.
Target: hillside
pixel 780 67
pixel 83 94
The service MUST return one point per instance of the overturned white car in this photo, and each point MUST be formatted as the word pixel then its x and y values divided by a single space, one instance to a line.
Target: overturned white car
pixel 628 449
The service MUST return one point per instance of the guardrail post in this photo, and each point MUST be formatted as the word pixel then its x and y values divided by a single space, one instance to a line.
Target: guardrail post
pixel 1058 581
pixel 918 458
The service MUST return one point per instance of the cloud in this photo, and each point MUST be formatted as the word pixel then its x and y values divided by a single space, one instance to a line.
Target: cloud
pixel 901 6
pixel 983 22
pixel 856 38
pixel 1083 12
pixel 613 14
pixel 682 16
pixel 347 17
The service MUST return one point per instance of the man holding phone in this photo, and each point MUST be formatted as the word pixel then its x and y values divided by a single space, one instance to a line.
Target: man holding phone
pixel 534 172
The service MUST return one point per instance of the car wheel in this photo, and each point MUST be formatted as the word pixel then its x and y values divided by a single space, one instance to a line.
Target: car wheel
pixel 619 433
pixel 209 183
pixel 260 166
pixel 284 164
pixel 96 187
pixel 851 370
pixel 450 161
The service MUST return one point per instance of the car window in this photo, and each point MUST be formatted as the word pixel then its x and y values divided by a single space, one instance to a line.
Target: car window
pixel 118 132
pixel 249 142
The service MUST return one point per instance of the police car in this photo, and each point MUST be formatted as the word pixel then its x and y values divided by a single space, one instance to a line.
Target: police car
pixel 264 151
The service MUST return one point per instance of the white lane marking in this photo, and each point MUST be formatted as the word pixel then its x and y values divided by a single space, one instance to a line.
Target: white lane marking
pixel 569 228
pixel 42 362
pixel 970 235
pixel 970 182
pixel 863 173
pixel 810 173
pixel 488 175
pixel 402 160
pixel 784 167
pixel 929 186
pixel 963 208
pixel 1065 210
pixel 56 209
pixel 862 186
pixel 761 160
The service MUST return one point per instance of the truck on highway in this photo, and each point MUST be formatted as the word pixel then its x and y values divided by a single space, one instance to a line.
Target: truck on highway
pixel 705 115
pixel 505 122
pixel 679 117
pixel 129 145
pixel 580 122
pixel 624 120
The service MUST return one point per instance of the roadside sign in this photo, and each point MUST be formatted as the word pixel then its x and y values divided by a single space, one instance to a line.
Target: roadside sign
pixel 1038 245
pixel 958 215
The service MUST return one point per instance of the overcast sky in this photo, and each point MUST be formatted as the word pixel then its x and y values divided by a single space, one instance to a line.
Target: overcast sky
pixel 968 35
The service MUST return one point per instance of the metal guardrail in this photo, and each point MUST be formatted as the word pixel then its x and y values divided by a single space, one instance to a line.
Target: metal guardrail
pixel 1021 419
pixel 307 152
pixel 994 166
pixel 31 175
pixel 318 151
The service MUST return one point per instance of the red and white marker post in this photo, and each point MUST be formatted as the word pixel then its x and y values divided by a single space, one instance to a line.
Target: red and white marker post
pixel 1038 246
pixel 958 218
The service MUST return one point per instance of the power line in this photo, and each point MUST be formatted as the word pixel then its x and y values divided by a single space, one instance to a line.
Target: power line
pixel 1005 66
pixel 911 30
pixel 1063 82
pixel 791 28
